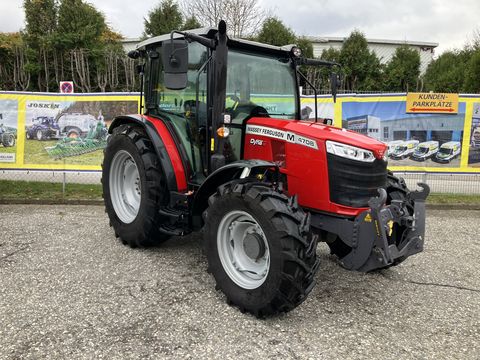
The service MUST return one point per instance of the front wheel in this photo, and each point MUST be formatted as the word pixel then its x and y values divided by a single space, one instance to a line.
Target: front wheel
pixel 8 140
pixel 39 134
pixel 259 248
pixel 133 187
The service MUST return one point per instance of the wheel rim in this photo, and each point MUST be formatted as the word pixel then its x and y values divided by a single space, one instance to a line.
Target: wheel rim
pixel 125 191
pixel 243 249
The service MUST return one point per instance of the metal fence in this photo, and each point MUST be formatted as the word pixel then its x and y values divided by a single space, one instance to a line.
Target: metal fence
pixel 439 183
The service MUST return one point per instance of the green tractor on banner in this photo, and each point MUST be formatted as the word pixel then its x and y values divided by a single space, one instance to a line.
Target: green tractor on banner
pixel 96 139
pixel 7 138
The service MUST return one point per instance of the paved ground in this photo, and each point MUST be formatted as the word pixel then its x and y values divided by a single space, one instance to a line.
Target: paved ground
pixel 69 290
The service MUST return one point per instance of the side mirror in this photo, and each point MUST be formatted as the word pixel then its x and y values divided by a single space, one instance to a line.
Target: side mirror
pixel 175 64
pixel 134 54
pixel 335 82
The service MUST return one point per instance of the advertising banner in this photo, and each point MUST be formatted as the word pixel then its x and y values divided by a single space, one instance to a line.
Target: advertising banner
pixel 474 149
pixel 426 140
pixel 69 132
pixel 56 132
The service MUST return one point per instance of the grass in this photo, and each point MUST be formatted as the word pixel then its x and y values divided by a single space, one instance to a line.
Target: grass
pixel 52 192
pixel 12 149
pixel 48 192
pixel 35 153
pixel 439 198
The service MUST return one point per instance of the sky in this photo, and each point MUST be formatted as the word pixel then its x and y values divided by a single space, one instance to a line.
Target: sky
pixel 449 23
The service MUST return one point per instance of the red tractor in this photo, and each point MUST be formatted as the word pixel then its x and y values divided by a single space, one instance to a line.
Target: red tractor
pixel 217 148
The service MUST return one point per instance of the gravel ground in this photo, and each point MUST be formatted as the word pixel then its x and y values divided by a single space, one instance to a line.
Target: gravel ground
pixel 69 290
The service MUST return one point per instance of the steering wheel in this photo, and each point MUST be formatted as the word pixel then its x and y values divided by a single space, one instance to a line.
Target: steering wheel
pixel 247 107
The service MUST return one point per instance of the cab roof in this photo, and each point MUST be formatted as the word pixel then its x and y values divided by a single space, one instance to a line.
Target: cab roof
pixel 210 32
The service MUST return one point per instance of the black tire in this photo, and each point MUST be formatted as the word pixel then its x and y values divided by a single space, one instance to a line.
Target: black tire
pixel 396 190
pixel 39 135
pixel 293 259
pixel 8 140
pixel 73 134
pixel 144 230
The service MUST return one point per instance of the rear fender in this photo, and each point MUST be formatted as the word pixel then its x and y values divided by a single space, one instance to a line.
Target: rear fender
pixel 236 170
pixel 157 142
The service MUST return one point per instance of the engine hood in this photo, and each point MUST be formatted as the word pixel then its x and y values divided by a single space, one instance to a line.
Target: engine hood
pixel 322 133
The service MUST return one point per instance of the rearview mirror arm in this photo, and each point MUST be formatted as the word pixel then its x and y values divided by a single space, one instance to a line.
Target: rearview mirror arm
pixel 314 91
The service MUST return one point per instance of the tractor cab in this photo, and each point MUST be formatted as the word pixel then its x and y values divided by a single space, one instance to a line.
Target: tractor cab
pixel 207 86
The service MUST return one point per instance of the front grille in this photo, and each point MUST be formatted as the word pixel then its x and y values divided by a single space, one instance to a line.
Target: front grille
pixel 353 183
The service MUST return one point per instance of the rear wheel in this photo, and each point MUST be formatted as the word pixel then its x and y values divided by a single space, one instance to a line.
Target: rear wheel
pixel 73 134
pixel 259 248
pixel 133 187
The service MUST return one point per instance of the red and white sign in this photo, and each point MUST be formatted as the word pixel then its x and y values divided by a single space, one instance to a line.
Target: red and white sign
pixel 66 87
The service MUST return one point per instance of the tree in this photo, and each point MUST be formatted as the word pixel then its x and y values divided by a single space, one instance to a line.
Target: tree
pixel 403 70
pixel 447 72
pixel 306 46
pixel 243 17
pixel 163 19
pixel 15 68
pixel 80 25
pixel 40 28
pixel 40 18
pixel 319 76
pixel 64 40
pixel 472 74
pixel 331 54
pixel 274 32
pixel 79 41
pixel 361 66
pixel 191 23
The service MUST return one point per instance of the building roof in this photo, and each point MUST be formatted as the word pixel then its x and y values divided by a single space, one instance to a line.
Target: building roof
pixel 338 39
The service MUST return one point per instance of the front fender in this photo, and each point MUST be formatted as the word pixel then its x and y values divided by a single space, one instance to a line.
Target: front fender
pixel 158 143
pixel 220 176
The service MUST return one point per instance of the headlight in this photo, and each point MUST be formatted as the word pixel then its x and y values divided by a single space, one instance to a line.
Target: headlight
pixel 349 152
pixel 296 51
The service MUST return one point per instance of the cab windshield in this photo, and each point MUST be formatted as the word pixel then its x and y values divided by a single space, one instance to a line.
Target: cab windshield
pixel 421 150
pixel 255 80
pixel 400 149
pixel 256 84
pixel 445 151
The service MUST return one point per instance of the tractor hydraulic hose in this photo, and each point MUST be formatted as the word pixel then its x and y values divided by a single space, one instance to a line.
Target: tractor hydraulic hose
pixel 210 43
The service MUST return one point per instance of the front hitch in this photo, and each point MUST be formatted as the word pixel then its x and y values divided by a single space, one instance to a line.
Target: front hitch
pixel 373 232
